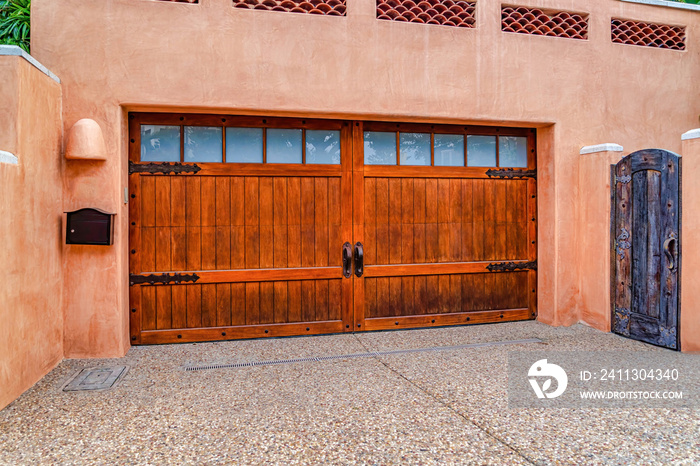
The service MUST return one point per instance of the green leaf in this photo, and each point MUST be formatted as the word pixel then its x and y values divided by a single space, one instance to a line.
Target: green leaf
pixel 15 23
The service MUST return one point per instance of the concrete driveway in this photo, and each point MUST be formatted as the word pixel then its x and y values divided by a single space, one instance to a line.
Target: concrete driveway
pixel 441 406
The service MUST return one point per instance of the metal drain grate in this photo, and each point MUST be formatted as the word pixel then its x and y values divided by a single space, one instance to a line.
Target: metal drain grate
pixel 96 378
pixel 372 354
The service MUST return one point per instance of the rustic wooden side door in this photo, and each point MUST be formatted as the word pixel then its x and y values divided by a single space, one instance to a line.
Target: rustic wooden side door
pixel 647 245
pixel 223 246
pixel 443 244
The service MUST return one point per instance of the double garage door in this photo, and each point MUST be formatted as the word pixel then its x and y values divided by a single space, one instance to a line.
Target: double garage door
pixel 246 227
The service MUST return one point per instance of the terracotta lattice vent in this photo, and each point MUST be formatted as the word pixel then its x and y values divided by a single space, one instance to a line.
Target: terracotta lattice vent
pixel 457 13
pixel 314 7
pixel 661 36
pixel 544 22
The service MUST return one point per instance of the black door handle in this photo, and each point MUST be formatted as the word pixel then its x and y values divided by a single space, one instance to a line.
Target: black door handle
pixel 359 259
pixel 347 260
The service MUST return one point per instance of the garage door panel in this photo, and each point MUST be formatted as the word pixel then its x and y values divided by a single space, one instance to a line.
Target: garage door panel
pixel 445 293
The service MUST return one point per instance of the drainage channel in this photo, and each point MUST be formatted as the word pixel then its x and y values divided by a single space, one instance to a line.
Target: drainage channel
pixel 372 354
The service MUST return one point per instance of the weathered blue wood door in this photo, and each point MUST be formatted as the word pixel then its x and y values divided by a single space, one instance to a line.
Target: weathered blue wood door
pixel 646 232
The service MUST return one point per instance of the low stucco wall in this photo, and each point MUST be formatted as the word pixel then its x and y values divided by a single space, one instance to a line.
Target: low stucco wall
pixel 690 241
pixel 119 55
pixel 31 314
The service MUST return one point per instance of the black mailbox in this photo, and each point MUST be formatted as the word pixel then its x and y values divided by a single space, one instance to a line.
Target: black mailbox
pixel 89 226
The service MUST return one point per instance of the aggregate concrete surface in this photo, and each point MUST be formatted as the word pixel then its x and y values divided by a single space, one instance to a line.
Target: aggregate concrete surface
pixel 445 407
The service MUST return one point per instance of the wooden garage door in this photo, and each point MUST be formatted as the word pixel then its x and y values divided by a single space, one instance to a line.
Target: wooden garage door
pixel 238 226
pixel 447 219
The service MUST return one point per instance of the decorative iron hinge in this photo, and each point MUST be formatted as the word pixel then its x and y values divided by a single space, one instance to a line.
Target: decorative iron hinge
pixel 511 266
pixel 163 167
pixel 622 321
pixel 622 243
pixel 164 279
pixel 623 179
pixel 667 337
pixel 511 173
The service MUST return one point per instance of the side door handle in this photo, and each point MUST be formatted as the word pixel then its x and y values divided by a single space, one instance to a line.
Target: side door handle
pixel 359 259
pixel 347 260
pixel 669 250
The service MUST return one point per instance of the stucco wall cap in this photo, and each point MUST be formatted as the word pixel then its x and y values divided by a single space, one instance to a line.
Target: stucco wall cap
pixel 85 141
pixel 608 147
pixel 13 50
pixel 692 134
pixel 8 158
pixel 682 6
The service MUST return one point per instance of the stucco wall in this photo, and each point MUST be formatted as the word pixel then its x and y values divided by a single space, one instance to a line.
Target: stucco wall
pixel 119 55
pixel 31 315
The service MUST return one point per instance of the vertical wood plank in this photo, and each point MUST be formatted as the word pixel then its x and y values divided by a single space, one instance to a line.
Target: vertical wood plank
pixel 294 300
pixel 208 305
pixel 223 223
pixel 395 220
pixel 433 291
pixel 280 301
pixel 321 300
pixel 266 226
pixel 335 233
pixel 408 296
pixel 370 297
pixel 489 220
pixel 223 304
pixel 308 301
pixel 407 221
pixel 162 201
pixel 208 203
pixel 147 255
pixel 455 301
pixel 382 211
pixel 179 306
pixel 383 301
pixel 252 230
pixel 267 303
pixel 148 201
pixel 370 221
pixel 252 303
pixel 394 308
pixel 194 306
pixel 444 294
pixel 478 216
pixel 280 227
pixel 467 222
pixel 321 222
pixel 432 242
pixel 163 253
pixel 335 299
pixel 294 223
pixel 148 307
pixel 193 218
pixel 455 252
pixel 238 304
pixel 163 307
pixel 307 223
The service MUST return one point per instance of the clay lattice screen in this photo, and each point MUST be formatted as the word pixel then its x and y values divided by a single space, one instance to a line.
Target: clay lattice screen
pixel 314 7
pixel 544 23
pixel 661 36
pixel 443 12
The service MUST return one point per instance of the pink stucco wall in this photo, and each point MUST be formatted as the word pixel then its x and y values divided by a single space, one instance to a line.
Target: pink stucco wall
pixel 120 55
pixel 690 238
pixel 31 314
